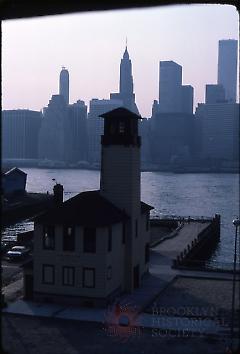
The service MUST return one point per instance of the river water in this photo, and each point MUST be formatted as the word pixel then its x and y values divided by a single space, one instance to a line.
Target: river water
pixel 170 194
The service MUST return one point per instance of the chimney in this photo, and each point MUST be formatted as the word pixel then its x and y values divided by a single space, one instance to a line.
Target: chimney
pixel 58 194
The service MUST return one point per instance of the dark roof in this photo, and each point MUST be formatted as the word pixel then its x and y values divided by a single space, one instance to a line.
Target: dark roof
pixel 145 207
pixel 86 209
pixel 14 169
pixel 120 112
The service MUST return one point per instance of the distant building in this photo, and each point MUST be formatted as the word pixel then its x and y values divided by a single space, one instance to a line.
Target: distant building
pixel 14 181
pixel 187 99
pixel 95 125
pixel 227 67
pixel 219 125
pixel 95 246
pixel 52 137
pixel 214 94
pixel 126 91
pixel 76 139
pixel 170 83
pixel 64 84
pixel 20 130
pixel 172 138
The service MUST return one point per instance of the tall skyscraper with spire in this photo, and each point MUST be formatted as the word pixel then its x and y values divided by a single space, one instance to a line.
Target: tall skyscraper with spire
pixel 126 92
pixel 64 84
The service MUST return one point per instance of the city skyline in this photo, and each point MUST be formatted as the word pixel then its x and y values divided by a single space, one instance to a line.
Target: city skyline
pixel 42 46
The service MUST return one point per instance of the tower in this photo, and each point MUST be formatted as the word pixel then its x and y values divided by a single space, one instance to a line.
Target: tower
pixel 170 87
pixel 120 167
pixel 126 93
pixel 120 182
pixel 126 78
pixel 227 67
pixel 64 84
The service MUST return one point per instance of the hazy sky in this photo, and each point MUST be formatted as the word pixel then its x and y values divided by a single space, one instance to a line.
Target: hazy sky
pixel 91 46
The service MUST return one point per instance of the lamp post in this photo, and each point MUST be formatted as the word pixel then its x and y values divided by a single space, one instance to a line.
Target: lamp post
pixel 236 223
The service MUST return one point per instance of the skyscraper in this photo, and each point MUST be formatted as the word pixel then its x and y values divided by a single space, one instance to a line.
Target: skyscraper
pixel 64 84
pixel 227 67
pixel 214 94
pixel 126 93
pixel 20 130
pixel 170 84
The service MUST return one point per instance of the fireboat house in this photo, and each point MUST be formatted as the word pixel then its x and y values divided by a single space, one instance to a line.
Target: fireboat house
pixel 95 246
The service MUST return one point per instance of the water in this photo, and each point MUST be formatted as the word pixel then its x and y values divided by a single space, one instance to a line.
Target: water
pixel 171 194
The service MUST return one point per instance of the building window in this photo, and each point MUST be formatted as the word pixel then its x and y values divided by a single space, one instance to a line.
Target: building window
pixel 147 253
pixel 88 277
pixel 109 273
pixel 49 237
pixel 89 240
pixel 121 127
pixel 68 276
pixel 110 239
pixel 48 274
pixel 123 233
pixel 68 238
pixel 136 228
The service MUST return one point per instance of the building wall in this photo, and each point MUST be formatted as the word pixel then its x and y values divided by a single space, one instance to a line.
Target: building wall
pixel 20 131
pixel 76 134
pixel 227 67
pixel 52 137
pixel 120 177
pixel 78 259
pixel 220 130
pixel 14 182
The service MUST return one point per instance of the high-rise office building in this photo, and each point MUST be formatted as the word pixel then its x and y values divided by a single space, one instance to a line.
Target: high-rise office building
pixel 187 99
pixel 170 84
pixel 126 91
pixel 227 67
pixel 77 132
pixel 64 84
pixel 95 125
pixel 20 130
pixel 214 94
pixel 219 125
pixel 52 137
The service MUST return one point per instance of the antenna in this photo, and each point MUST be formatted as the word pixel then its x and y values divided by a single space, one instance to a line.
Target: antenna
pixel 126 42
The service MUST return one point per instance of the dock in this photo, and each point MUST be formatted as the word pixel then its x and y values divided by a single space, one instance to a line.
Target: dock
pixel 189 243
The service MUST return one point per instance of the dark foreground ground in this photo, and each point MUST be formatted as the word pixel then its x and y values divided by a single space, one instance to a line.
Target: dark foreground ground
pixel 27 335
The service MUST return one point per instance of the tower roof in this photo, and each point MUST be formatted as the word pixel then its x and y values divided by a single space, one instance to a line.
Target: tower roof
pixel 126 55
pixel 120 112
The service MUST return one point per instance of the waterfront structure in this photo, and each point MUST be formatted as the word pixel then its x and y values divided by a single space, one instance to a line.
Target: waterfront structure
pixel 95 126
pixel 20 130
pixel 76 139
pixel 126 90
pixel 214 94
pixel 227 67
pixel 64 84
pixel 52 136
pixel 14 181
pixel 219 125
pixel 94 246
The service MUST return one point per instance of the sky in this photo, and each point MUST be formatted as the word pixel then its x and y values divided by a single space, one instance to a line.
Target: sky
pixel 91 45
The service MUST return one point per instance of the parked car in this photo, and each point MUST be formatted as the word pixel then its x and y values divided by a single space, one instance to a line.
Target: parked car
pixel 17 252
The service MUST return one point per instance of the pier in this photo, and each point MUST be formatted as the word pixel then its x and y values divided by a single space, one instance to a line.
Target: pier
pixel 185 242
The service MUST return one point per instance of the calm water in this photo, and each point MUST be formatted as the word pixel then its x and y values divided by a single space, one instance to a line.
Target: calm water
pixel 174 194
